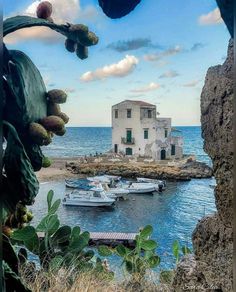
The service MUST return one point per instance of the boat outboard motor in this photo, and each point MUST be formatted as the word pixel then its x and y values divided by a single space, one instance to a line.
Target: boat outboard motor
pixel 160 187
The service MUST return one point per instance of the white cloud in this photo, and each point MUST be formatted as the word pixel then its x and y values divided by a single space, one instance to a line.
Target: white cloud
pixel 211 18
pixel 150 87
pixel 169 74
pixel 192 83
pixel 63 11
pixel 120 69
pixel 157 56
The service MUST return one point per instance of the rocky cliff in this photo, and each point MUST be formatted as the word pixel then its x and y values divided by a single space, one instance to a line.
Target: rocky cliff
pixel 210 269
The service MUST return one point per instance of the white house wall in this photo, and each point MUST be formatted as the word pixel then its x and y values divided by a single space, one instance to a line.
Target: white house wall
pixel 139 121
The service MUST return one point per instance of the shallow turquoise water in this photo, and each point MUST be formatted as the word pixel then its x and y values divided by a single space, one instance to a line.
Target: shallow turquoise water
pixel 173 214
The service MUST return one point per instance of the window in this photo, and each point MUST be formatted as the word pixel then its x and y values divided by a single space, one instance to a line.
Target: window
pixel 149 114
pixel 166 133
pixel 116 148
pixel 116 114
pixel 128 151
pixel 129 113
pixel 172 149
pixel 145 133
pixel 129 136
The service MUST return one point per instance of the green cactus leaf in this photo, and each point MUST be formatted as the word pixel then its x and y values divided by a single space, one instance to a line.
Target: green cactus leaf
pixel 8 254
pixel 185 250
pixel 154 261
pixel 23 234
pixel 146 231
pixel 55 206
pixel 148 245
pixel 121 251
pixel 52 224
pixel 89 255
pixel 72 32
pixel 49 199
pixel 61 235
pixel 77 244
pixel 75 232
pixel 32 244
pixel 175 249
pixel 18 168
pixel 104 251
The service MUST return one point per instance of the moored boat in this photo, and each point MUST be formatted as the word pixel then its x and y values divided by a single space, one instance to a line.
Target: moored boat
pixel 92 198
pixel 140 188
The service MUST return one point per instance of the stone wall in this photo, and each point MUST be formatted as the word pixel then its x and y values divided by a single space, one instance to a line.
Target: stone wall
pixel 211 267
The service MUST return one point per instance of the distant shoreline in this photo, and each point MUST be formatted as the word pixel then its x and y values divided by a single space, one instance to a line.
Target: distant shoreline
pixel 73 167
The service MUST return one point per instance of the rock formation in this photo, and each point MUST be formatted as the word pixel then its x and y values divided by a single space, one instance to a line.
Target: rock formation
pixel 211 267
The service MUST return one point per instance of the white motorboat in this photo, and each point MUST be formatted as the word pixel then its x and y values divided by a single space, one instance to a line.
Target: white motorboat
pixel 160 184
pixel 108 179
pixel 115 192
pixel 140 188
pixel 96 197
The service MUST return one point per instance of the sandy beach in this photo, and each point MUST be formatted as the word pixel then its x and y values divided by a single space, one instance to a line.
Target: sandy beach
pixel 56 171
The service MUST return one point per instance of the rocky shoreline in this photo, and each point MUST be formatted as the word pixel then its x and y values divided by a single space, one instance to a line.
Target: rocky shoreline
pixel 183 172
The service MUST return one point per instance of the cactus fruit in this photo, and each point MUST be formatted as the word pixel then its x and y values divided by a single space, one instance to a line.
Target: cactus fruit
pixel 52 123
pixel 53 109
pixel 38 133
pixel 44 10
pixel 30 216
pixel 48 140
pixel 82 51
pixel 57 96
pixel 89 40
pixel 25 218
pixel 79 29
pixel 46 162
pixel 7 231
pixel 70 45
pixel 64 117
pixel 61 132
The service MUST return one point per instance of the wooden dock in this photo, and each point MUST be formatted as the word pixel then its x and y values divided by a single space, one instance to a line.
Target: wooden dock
pixel 108 238
pixel 112 238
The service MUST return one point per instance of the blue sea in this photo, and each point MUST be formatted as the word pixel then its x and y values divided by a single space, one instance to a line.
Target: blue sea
pixel 89 140
pixel 173 214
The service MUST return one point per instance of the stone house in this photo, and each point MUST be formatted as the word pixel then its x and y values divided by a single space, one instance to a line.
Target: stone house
pixel 137 131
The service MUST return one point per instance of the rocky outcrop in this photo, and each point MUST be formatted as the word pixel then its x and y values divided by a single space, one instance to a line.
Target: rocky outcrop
pixel 213 236
pixel 186 171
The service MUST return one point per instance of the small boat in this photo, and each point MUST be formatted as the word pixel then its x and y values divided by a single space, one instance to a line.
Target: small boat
pixel 109 179
pixel 160 184
pixel 119 192
pixel 140 188
pixel 74 184
pixel 94 197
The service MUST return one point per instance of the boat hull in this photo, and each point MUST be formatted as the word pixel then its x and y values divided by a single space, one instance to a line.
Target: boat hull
pixel 88 203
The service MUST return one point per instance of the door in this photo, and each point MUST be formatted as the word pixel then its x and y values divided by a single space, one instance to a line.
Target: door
pixel 129 151
pixel 172 149
pixel 128 136
pixel 116 148
pixel 163 154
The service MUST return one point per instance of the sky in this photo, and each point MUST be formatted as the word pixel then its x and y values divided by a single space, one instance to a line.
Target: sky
pixel 159 53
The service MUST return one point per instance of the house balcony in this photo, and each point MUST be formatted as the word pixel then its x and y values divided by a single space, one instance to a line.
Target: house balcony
pixel 126 141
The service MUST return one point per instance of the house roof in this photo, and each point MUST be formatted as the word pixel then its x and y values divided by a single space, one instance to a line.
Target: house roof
pixel 137 102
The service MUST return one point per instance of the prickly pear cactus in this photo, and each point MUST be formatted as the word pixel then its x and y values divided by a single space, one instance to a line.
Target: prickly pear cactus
pixel 31 116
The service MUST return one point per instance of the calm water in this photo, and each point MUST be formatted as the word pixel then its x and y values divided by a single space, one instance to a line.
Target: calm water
pixel 173 214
